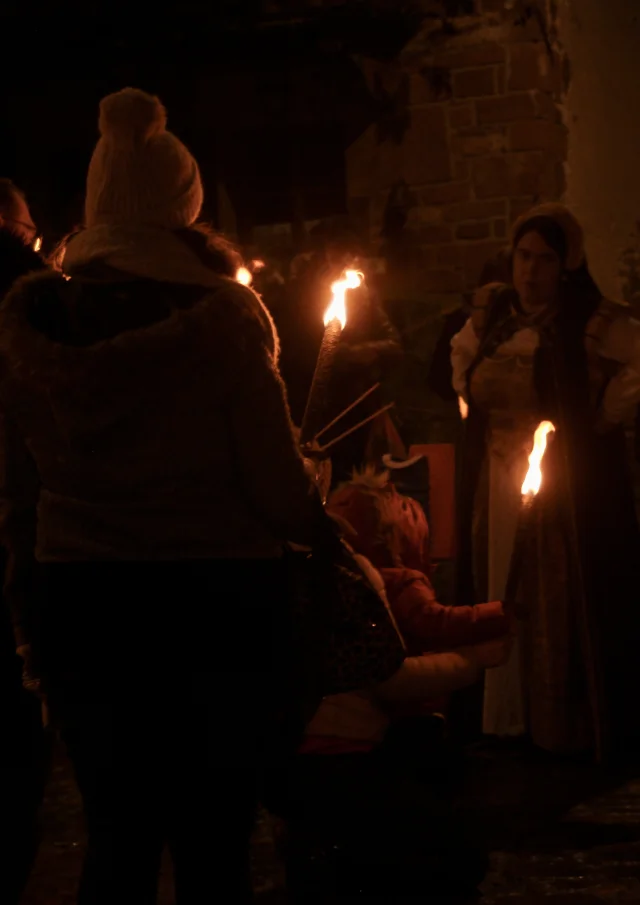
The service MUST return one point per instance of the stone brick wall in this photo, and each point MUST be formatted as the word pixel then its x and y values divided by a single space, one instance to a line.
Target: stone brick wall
pixel 482 140
pixel 472 135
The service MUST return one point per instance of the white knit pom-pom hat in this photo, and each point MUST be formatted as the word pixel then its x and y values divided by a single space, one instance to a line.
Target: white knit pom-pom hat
pixel 140 174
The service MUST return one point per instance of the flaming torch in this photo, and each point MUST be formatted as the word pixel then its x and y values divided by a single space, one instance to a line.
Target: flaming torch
pixel 335 319
pixel 530 487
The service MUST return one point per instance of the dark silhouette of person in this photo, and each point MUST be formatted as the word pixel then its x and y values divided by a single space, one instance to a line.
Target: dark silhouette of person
pixel 23 765
pixel 496 270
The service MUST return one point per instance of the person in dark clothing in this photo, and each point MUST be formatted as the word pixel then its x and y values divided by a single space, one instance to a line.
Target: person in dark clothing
pixel 369 349
pixel 369 346
pixel 496 270
pixel 150 452
pixel 23 767
pixel 305 297
pixel 551 348
pixel 18 236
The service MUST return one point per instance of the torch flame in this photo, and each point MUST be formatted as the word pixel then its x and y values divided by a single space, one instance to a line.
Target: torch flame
pixel 37 244
pixel 533 479
pixel 243 275
pixel 463 408
pixel 338 309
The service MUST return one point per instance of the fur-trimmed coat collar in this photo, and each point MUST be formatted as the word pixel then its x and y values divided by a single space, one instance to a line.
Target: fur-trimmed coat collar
pixel 155 417
pixel 87 344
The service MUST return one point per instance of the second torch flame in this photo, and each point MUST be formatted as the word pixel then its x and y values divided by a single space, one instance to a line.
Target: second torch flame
pixel 244 276
pixel 337 310
pixel 533 479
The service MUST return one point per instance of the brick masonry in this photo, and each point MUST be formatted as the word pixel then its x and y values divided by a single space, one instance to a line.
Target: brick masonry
pixel 484 141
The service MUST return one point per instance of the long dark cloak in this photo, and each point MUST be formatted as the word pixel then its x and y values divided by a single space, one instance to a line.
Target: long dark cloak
pixel 594 477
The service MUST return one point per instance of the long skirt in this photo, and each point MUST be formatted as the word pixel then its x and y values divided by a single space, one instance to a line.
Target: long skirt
pixel 543 690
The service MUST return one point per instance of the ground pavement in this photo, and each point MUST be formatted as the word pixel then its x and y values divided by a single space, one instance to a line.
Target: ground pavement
pixel 560 835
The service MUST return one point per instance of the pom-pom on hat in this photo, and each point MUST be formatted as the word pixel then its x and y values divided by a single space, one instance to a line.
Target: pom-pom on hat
pixel 140 174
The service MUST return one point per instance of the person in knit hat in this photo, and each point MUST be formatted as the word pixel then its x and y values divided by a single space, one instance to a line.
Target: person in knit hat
pixel 151 466
pixel 392 532
pixel 552 348
pixel 140 174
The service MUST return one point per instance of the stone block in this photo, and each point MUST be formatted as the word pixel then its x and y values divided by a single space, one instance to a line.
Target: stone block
pixel 546 107
pixel 461 116
pixel 478 143
pixel 442 281
pixel 473 258
pixel 555 181
pixel 518 207
pixel 538 135
pixel 525 174
pixel 431 85
pixel 446 193
pixel 535 177
pixel 510 107
pixel 474 82
pixel 440 257
pixel 475 210
pixel 536 174
pixel 491 177
pixel 359 210
pixel 425 147
pixel 471 55
pixel 500 228
pixel 461 171
pixel 530 67
pixel 422 214
pixel 372 165
pixel 434 235
pixel 474 230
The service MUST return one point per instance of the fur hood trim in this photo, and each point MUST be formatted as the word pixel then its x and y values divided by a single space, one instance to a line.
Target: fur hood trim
pixel 207 341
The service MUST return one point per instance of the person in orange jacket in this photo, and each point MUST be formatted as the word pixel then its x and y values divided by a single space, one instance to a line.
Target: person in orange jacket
pixel 392 532
pixel 369 801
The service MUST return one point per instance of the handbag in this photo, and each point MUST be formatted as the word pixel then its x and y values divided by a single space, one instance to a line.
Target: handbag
pixel 344 634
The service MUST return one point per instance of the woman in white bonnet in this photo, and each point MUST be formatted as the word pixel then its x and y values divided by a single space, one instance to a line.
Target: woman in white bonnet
pixel 550 347
pixel 150 459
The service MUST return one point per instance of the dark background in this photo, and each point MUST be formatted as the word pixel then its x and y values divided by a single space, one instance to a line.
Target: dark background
pixel 266 95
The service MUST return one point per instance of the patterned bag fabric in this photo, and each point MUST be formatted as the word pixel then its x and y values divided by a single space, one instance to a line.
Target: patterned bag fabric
pixel 344 633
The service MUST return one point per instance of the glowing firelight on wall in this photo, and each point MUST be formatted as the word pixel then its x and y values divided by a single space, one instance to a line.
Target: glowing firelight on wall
pixel 243 275
pixel 337 310
pixel 533 480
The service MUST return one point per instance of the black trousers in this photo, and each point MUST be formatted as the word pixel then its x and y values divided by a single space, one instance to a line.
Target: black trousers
pixel 166 681
pixel 24 766
pixel 24 762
